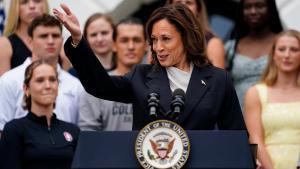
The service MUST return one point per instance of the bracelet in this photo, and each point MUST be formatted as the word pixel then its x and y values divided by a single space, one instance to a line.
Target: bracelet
pixel 74 44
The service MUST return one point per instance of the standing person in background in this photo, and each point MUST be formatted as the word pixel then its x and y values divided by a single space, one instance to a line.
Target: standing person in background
pixel 215 47
pixel 178 49
pixel 14 45
pixel 256 27
pixel 39 140
pixel 272 111
pixel 46 42
pixel 129 49
pixel 98 31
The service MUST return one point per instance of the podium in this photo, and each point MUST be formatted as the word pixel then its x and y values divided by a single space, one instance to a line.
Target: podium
pixel 209 150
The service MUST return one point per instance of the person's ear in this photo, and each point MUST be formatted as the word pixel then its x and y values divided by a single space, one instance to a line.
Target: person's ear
pixel 26 90
pixel 147 46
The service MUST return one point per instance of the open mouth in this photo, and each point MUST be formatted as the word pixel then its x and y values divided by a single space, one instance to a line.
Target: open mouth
pixel 162 57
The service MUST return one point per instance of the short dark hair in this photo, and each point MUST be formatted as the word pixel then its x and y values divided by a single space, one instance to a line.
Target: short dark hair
pixel 128 21
pixel 188 26
pixel 44 20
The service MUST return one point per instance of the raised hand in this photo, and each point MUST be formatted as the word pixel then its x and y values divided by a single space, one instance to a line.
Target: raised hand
pixel 69 20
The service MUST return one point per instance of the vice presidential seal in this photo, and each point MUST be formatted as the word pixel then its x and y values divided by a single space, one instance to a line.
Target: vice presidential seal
pixel 162 144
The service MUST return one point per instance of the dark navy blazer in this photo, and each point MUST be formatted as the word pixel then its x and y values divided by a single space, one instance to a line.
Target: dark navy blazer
pixel 210 97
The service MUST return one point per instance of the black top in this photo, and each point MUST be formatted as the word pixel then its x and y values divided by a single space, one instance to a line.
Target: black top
pixel 210 97
pixel 28 143
pixel 20 50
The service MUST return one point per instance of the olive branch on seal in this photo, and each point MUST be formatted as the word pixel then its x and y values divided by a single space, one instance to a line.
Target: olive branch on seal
pixel 173 155
pixel 151 156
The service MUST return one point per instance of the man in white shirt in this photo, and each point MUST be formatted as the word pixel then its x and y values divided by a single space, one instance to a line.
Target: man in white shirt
pixel 129 48
pixel 46 43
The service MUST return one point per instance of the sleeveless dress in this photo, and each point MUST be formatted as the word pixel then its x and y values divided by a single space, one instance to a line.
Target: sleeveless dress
pixel 245 71
pixel 20 50
pixel 281 123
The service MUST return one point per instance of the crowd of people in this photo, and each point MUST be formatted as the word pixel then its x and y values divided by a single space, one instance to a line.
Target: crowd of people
pixel 251 82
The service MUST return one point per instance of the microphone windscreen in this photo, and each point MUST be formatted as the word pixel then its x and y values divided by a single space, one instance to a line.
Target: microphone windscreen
pixel 179 92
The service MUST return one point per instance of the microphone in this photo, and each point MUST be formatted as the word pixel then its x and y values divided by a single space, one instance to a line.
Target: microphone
pixel 153 105
pixel 177 104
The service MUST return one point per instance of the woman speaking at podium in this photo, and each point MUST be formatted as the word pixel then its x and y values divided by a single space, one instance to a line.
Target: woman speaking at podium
pixel 178 50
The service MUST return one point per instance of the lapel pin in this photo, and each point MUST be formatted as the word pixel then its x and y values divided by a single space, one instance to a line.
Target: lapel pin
pixel 203 83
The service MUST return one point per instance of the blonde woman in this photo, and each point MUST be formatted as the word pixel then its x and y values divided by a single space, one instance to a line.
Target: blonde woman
pixel 215 47
pixel 272 111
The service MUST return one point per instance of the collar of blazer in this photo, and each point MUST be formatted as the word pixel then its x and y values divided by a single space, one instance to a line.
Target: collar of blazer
pixel 198 86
